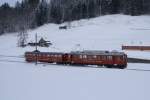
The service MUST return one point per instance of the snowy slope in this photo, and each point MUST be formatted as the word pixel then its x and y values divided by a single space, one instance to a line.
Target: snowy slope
pixel 30 82
pixel 26 81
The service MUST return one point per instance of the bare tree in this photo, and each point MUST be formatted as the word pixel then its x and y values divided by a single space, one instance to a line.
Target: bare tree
pixel 22 37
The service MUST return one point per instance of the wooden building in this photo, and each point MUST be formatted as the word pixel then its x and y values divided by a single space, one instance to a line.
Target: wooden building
pixel 139 48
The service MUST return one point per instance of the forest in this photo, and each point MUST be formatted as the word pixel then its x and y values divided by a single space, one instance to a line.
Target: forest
pixel 30 14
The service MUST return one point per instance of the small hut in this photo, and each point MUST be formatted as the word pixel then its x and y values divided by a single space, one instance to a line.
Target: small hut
pixel 44 43
pixel 41 43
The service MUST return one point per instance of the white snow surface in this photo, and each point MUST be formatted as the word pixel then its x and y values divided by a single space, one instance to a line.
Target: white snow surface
pixel 27 81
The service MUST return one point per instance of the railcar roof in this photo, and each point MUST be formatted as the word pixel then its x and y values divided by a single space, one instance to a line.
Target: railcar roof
pixel 87 52
pixel 55 53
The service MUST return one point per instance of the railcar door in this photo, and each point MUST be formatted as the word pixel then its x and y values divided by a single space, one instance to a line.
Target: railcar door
pixel 115 60
pixel 109 60
pixel 65 58
pixel 125 60
pixel 118 60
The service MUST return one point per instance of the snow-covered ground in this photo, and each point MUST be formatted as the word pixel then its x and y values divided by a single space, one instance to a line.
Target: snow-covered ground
pixel 26 81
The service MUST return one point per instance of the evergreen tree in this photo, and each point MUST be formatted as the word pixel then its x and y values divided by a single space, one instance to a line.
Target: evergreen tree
pixel 42 13
pixel 33 13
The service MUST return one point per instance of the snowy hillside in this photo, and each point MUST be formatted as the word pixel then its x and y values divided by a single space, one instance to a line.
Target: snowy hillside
pixel 26 81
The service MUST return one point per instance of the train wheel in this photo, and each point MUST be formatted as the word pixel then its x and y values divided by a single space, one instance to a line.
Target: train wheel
pixel 58 63
pixel 122 67
pixel 99 65
pixel 109 66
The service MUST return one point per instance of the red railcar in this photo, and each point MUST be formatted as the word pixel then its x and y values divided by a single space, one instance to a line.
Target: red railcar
pixel 100 58
pixel 50 57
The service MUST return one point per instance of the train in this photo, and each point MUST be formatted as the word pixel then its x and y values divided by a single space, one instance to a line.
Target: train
pixel 108 59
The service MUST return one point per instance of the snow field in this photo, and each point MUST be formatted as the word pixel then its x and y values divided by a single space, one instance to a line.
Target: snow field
pixel 25 81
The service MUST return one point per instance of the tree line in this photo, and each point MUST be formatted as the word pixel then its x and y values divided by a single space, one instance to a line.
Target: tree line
pixel 33 13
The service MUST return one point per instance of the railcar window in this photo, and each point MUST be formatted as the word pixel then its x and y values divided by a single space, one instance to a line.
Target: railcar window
pixel 103 57
pixel 75 56
pixel 95 56
pixel 80 56
pixel 99 57
pixel 89 57
pixel 109 57
pixel 124 57
pixel 84 56
pixel 120 57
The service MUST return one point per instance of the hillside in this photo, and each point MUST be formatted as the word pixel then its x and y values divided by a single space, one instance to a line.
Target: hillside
pixel 26 81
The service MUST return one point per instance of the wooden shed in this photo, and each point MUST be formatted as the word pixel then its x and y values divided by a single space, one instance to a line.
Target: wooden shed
pixel 139 48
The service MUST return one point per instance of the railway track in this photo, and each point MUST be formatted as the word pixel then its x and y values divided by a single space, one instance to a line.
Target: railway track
pixel 129 59
pixel 138 60
pixel 19 59
pixel 95 67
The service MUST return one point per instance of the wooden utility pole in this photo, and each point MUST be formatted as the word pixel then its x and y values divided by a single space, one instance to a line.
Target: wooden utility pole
pixel 36 51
